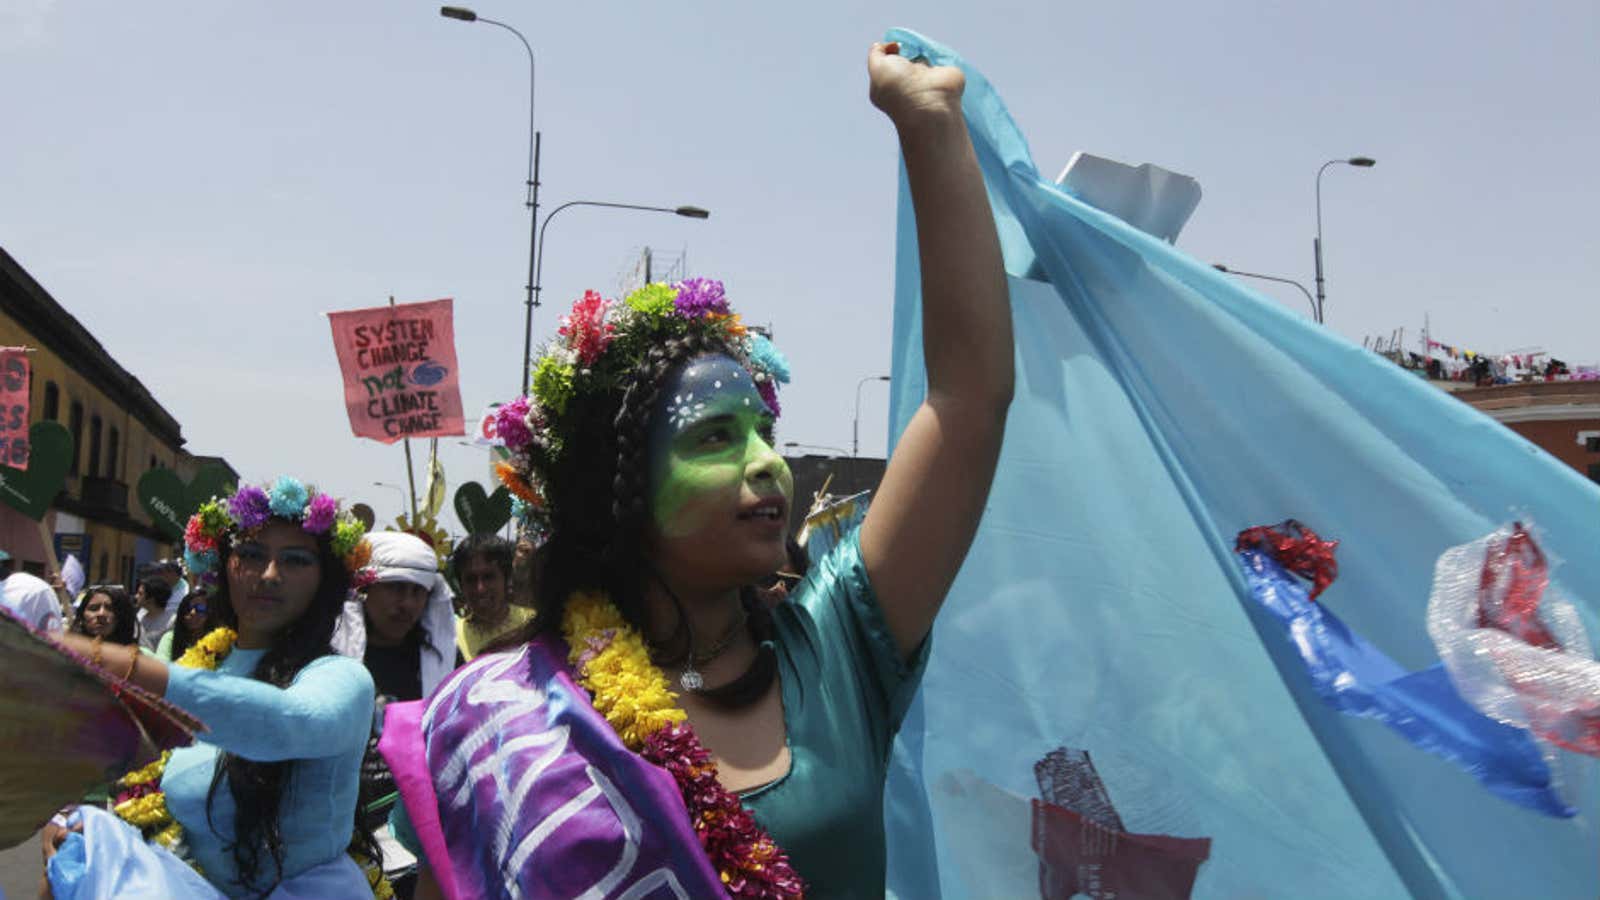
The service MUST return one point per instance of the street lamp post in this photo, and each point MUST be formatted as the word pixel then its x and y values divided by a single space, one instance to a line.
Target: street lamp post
pixel 531 200
pixel 688 212
pixel 1363 162
pixel 1309 299
pixel 398 490
pixel 855 423
pixel 796 445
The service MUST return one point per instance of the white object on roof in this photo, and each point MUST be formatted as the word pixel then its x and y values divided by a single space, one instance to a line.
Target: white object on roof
pixel 1154 200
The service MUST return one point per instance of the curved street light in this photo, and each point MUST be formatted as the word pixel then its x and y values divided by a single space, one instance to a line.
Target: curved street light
pixel 531 201
pixel 855 423
pixel 397 489
pixel 1309 299
pixel 688 212
pixel 1360 162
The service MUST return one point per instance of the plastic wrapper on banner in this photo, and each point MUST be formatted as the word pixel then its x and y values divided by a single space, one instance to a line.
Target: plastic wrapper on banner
pixel 1160 409
pixel 1515 647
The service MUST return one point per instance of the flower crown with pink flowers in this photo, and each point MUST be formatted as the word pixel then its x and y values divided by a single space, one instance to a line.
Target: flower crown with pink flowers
pixel 599 345
pixel 286 498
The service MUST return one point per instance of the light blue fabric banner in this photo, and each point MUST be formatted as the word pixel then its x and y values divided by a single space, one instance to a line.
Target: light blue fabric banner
pixel 1100 649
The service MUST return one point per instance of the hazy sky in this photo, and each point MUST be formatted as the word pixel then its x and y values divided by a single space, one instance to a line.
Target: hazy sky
pixel 199 182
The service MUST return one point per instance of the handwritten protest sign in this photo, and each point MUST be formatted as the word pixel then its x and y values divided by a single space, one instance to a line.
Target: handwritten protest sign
pixel 399 365
pixel 14 409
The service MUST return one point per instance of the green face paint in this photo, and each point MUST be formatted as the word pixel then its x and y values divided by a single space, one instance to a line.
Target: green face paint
pixel 711 449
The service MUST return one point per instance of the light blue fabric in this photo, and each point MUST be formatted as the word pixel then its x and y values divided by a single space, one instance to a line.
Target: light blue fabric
pixel 1160 409
pixel 321 721
pixel 110 861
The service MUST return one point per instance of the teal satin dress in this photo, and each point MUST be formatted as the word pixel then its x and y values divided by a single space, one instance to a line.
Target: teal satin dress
pixel 845 692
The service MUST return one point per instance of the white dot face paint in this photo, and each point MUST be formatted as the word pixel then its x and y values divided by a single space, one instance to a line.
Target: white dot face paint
pixel 711 451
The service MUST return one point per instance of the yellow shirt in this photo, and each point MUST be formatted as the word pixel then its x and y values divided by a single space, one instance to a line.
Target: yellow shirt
pixel 470 638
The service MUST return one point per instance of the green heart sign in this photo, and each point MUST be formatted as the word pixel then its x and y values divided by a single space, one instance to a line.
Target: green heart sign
pixel 49 457
pixel 482 513
pixel 169 502
pixel 209 481
pixel 161 494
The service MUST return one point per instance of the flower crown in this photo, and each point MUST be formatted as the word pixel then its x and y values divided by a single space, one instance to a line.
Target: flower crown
pixel 598 346
pixel 285 498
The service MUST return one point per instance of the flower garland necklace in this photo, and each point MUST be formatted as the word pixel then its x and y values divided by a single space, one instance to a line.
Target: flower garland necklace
pixel 142 803
pixel 634 696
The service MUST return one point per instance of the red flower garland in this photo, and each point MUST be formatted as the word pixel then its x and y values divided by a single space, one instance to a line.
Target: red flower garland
pixel 749 860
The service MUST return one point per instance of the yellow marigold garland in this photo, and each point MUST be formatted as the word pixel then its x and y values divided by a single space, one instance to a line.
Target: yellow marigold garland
pixel 636 699
pixel 142 804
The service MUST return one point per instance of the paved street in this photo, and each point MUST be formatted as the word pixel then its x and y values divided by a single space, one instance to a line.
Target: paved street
pixel 19 871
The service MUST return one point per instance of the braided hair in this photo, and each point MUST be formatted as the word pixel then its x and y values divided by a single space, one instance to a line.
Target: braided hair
pixel 599 544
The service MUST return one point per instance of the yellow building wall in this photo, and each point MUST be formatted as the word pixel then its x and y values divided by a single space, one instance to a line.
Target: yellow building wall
pixel 112 549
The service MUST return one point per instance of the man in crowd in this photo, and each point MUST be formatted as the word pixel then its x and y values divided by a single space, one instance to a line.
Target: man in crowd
pixel 171 571
pixel 156 615
pixel 482 567
pixel 28 597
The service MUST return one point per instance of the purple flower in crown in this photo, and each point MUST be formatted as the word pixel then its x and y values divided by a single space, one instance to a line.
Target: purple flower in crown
pixel 769 392
pixel 250 508
pixel 511 424
pixel 320 513
pixel 700 297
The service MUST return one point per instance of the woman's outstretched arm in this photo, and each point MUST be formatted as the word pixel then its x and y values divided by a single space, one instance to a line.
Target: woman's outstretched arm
pixel 926 512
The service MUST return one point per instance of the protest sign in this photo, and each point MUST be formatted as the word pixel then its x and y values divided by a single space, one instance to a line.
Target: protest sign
pixel 14 384
pixel 399 365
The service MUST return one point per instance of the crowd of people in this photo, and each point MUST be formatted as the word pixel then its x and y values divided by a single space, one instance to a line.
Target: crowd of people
pixel 643 697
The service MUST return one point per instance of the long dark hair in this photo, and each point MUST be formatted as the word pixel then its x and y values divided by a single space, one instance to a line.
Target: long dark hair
pixel 258 787
pixel 600 546
pixel 182 637
pixel 126 629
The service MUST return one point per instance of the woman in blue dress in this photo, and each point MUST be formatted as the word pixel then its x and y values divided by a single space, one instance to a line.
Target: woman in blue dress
pixel 264 802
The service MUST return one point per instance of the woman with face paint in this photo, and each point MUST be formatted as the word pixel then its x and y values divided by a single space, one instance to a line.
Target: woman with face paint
pixel 673 729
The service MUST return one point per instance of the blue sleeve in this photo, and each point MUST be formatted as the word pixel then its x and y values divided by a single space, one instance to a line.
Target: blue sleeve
pixel 838 596
pixel 325 711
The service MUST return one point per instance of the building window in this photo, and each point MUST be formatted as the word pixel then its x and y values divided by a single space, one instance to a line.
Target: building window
pixel 75 425
pixel 1592 444
pixel 113 447
pixel 52 401
pixel 1594 472
pixel 94 448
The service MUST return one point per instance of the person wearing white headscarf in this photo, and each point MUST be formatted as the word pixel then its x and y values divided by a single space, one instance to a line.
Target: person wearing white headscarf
pixel 404 629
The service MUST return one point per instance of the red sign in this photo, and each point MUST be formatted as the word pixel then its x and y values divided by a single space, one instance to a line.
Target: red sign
pixel 14 409
pixel 399 365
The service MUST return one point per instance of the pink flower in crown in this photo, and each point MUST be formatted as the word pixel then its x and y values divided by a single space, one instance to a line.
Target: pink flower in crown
pixel 586 329
pixel 511 423
pixel 320 513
